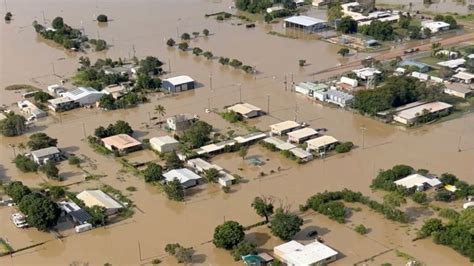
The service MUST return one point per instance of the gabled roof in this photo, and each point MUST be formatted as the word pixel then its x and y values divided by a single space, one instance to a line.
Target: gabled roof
pixel 305 20
pixel 163 140
pixel 45 152
pixel 179 80
pixel 81 92
pixel 183 175
pixel 98 198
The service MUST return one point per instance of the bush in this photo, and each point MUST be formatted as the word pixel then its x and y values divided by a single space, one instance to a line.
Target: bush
pixel 231 116
pixel 205 32
pixel 74 160
pixel 443 195
pixel 170 42
pixel 185 36
pixel 153 172
pixel 183 46
pixel 102 18
pixel 174 190
pixel 242 249
pixel 361 229
pixel 8 16
pixel 25 164
pixel 449 214
pixel 344 147
pixel 301 62
pixel 419 197
pixel 50 170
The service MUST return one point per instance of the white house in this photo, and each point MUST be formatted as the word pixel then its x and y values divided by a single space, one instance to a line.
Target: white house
pixel 164 144
pixel 295 254
pixel 252 137
pixel 321 144
pixel 185 176
pixel 301 135
pixel 99 198
pixel 419 182
pixel 301 154
pixel 29 108
pixel 180 122
pixel 284 127
pixel 201 166
pixel 435 26
pixel 454 63
pixel 44 155
pixel 246 110
pixel 366 72
pixel 84 96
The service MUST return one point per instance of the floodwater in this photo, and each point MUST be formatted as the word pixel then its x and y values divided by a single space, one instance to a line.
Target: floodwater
pixel 437 6
pixel 144 26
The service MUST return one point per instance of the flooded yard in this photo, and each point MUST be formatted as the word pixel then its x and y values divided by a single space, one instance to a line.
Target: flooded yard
pixel 141 28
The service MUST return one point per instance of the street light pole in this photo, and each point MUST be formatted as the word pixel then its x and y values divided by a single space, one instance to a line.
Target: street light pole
pixel 363 128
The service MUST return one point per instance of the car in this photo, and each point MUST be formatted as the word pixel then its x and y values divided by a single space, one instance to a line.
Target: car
pixel 312 233
pixel 19 220
pixel 7 202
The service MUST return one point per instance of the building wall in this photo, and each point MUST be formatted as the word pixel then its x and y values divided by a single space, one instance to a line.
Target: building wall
pixel 168 147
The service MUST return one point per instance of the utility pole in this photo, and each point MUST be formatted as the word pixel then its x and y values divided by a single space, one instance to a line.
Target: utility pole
pixel 98 35
pixel 134 51
pixel 363 128
pixel 44 19
pixel 240 92
pixel 54 71
pixel 149 119
pixel 209 103
pixel 210 80
pixel 286 82
pixel 268 104
pixel 169 65
pixel 139 251
pixel 291 88
pixel 84 129
pixel 296 111
pixel 459 143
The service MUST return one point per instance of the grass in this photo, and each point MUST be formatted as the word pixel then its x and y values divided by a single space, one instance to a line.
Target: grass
pixel 99 148
pixel 281 35
pixel 429 60
pixel 404 255
pixel 16 87
pixel 4 247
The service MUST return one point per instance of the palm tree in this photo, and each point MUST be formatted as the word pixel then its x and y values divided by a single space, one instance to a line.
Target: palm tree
pixel 22 147
pixel 160 110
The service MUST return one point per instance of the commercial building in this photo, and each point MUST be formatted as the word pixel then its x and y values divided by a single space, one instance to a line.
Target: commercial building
pixel 296 254
pixel 99 198
pixel 29 108
pixel 458 90
pixel 185 176
pixel 305 23
pixel 164 144
pixel 178 84
pixel 435 26
pixel 322 144
pixel 44 155
pixel 284 127
pixel 419 182
pixel 339 98
pixel 309 88
pixel 246 110
pixel 411 115
pixel 180 122
pixel 122 143
pixel 366 73
pixel 301 135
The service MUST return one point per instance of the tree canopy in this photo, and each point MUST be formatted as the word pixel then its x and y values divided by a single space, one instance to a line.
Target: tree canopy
pixel 285 225
pixel 173 161
pixel 228 235
pixel 198 134
pixel 174 190
pixel 263 206
pixel 120 127
pixel 40 211
pixel 41 140
pixel 153 172
pixel 347 25
pixel 16 190
pixel 13 125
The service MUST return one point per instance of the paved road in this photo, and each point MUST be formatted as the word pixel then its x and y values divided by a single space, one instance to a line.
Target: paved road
pixel 334 71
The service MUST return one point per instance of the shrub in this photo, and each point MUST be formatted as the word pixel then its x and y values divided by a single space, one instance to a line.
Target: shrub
pixel 301 62
pixel 74 160
pixel 419 197
pixel 242 249
pixel 361 229
pixel 25 164
pixel 102 18
pixel 344 147
pixel 170 42
pixel 443 195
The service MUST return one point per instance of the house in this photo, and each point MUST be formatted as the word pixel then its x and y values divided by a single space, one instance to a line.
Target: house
pixel 420 76
pixel 99 198
pixel 464 77
pixel 116 90
pixel 164 144
pixel 309 88
pixel 62 104
pixel 179 83
pixel 279 144
pixel 302 155
pixel 339 98
pixel 348 81
pixel 44 155
pixel 423 68
pixel 458 90
pixel 250 138
pixel 411 115
pixel 419 182
pixel 124 70
pixel 84 96
pixel 225 179
pixel 56 90
pixel 453 64
pixel 364 15
pixel 321 144
pixel 180 122
pixel 294 253
pixel 122 143
pixel 185 176
pixel 301 135
pixel 305 23
pixel 215 147
pixel 29 108
pixel 246 110
pixel 449 54
pixel 201 166
pixel 77 214
pixel 366 73
pixel 284 127
pixel 435 26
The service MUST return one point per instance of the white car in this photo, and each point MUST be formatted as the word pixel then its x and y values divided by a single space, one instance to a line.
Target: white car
pixel 19 220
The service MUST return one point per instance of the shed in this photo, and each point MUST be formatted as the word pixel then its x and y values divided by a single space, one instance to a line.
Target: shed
pixel 349 81
pixel 338 97
pixel 454 63
pixel 122 143
pixel 464 77
pixel 301 135
pixel 284 127
pixel 185 176
pixel 246 110
pixel 423 68
pixel 435 26
pixel 410 116
pixel 164 144
pixel 458 90
pixel 179 83
pixel 309 88
pixel 305 23
pixel 99 198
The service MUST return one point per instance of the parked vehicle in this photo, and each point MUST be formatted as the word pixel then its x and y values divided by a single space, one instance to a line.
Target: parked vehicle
pixel 19 220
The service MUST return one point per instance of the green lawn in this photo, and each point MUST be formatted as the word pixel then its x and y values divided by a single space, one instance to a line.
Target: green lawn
pixel 429 60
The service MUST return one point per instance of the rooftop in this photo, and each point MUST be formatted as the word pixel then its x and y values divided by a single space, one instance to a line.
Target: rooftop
pixel 183 175
pixel 250 137
pixel 244 108
pixel 121 141
pixel 416 180
pixel 434 24
pixel 300 153
pixel 453 63
pixel 461 88
pixel 464 76
pixel 200 163
pixel 303 133
pixel 322 141
pixel 181 117
pixel 418 110
pixel 81 92
pixel 45 152
pixel 163 140
pixel 313 86
pixel 413 63
pixel 309 254
pixel 179 80
pixel 286 125
pixel 305 20
pixel 60 100
pixel 98 198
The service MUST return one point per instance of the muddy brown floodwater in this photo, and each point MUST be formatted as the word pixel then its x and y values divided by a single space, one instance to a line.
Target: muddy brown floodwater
pixel 144 26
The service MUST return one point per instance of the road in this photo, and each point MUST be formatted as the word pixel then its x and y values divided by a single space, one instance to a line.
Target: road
pixel 399 51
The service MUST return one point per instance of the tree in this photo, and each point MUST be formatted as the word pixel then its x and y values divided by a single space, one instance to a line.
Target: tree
pixel 211 175
pixel 451 21
pixel 430 226
pixel 235 63
pixel 174 190
pixel 58 23
pixel 41 140
pixel 361 229
pixel 153 172
pixel 170 42
pixel 208 55
pixel 224 60
pixel 443 195
pixel 228 235
pixel 334 12
pixel 98 216
pixel 146 82
pixel 8 16
pixel 184 255
pixel 16 190
pixel 50 170
pixel 183 46
pixel 150 65
pixel 419 197
pixel 100 45
pixel 173 161
pixel 394 199
pixel 205 32
pixel 197 51
pixel 344 147
pixel 448 179
pixel 426 32
pixel 242 249
pixel 122 127
pixel 343 51
pixel 102 18
pixel 107 101
pixel 198 134
pixel 25 164
pixel 243 151
pixel 13 125
pixel 40 212
pixel 42 97
pixel 301 62
pixel 160 110
pixel 185 36
pixel 195 34
pixel 285 225
pixel 263 206
pixel 347 25
pixel 57 192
